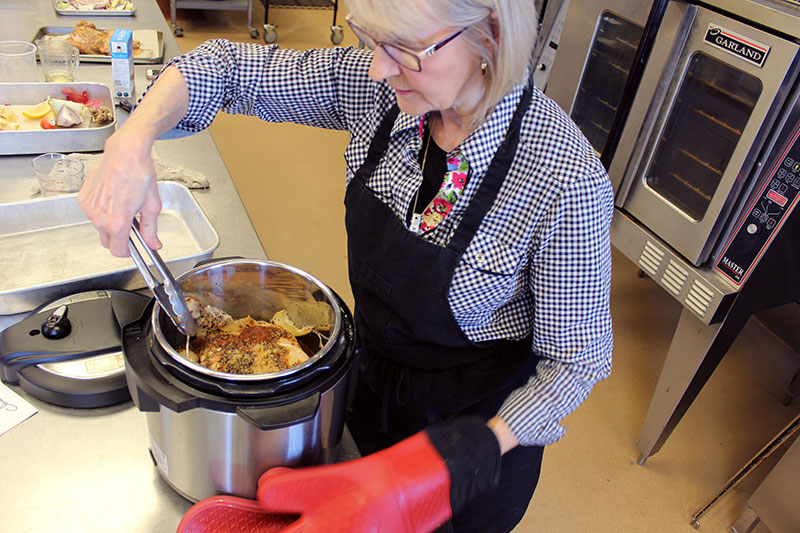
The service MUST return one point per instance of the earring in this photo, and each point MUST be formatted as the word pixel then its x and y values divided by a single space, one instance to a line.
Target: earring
pixel 484 66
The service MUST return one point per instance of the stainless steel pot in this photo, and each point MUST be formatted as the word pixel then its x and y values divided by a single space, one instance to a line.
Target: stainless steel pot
pixel 216 433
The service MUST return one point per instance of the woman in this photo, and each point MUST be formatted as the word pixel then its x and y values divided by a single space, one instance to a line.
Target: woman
pixel 479 259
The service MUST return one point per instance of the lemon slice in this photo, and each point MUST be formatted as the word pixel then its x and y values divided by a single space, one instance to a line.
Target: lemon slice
pixel 38 111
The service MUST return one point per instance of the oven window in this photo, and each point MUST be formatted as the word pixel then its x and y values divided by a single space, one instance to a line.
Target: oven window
pixel 712 107
pixel 603 80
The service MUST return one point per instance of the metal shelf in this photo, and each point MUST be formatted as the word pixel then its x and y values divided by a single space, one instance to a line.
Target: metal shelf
pixel 216 5
pixel 227 5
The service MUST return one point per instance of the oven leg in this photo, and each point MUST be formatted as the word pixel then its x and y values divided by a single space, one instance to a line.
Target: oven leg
pixel 694 353
pixel 793 391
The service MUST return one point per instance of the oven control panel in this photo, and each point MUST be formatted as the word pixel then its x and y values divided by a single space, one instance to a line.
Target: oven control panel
pixel 774 201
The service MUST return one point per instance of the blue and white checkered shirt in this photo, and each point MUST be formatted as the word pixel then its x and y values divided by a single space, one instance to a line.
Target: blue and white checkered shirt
pixel 540 261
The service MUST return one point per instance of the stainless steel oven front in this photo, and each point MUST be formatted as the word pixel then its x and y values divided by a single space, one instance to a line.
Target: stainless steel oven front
pixel 702 130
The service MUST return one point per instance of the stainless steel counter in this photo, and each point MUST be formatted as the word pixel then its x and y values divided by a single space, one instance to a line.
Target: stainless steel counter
pixel 89 470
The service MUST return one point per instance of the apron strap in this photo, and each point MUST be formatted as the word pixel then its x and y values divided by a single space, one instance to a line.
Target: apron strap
pixel 380 141
pixel 484 197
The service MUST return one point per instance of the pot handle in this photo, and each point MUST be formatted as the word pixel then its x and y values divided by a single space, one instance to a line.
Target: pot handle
pixel 282 415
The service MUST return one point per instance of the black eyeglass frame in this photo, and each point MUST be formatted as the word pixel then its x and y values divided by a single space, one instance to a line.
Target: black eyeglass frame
pixel 396 51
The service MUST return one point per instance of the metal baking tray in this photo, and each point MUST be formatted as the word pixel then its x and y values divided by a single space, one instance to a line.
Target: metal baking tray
pixel 39 141
pixel 94 12
pixel 49 249
pixel 144 36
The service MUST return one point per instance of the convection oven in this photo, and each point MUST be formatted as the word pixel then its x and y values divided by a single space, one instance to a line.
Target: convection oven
pixel 705 115
pixel 702 150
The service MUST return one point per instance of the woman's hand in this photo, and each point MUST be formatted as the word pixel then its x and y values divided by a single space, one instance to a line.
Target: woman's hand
pixel 123 183
pixel 505 437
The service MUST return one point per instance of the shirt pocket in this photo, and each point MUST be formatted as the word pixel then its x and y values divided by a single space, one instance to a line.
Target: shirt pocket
pixel 490 255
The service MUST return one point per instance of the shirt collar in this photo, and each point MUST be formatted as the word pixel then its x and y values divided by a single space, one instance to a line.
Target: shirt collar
pixel 480 146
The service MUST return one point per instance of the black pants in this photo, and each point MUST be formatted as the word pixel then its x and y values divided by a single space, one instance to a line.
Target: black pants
pixel 393 402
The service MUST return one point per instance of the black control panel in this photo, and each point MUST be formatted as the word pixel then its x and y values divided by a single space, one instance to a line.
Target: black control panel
pixel 774 201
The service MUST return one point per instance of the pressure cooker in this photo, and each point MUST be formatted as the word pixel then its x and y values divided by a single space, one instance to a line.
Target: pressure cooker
pixel 215 432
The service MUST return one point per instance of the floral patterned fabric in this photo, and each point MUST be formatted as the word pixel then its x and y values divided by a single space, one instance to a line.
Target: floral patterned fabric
pixel 453 185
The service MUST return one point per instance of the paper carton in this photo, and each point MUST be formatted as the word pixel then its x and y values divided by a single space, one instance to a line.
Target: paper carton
pixel 122 66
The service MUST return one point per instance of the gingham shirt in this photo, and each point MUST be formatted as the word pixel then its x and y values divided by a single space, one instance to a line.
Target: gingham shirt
pixel 541 259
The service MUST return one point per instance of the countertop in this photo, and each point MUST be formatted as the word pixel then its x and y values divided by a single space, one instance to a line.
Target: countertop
pixel 89 469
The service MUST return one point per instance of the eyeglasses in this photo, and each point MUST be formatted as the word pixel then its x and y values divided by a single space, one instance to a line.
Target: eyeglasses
pixel 403 56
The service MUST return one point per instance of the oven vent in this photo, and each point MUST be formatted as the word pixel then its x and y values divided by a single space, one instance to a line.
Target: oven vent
pixel 651 258
pixel 699 298
pixel 674 278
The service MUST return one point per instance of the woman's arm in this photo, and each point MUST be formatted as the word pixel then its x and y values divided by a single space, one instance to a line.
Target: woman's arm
pixel 570 280
pixel 124 182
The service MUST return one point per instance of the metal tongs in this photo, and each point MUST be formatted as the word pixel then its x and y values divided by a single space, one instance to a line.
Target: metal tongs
pixel 167 292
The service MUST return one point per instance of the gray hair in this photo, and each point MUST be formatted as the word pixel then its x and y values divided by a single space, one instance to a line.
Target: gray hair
pixel 501 32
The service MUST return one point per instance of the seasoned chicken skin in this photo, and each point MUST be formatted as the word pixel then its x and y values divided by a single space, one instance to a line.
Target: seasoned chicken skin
pixel 243 346
pixel 91 41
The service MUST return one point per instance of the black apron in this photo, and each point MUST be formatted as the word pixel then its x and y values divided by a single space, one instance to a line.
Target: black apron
pixel 417 367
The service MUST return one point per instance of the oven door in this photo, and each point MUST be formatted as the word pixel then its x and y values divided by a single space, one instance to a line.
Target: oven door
pixel 711 92
pixel 595 53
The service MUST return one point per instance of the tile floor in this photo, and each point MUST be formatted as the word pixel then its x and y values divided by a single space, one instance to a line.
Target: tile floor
pixel 291 180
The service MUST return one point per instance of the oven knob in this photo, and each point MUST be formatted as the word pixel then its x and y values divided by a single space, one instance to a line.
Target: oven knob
pixel 752 229
pixel 57 326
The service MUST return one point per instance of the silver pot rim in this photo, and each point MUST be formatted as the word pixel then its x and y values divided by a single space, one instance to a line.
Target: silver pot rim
pixel 160 338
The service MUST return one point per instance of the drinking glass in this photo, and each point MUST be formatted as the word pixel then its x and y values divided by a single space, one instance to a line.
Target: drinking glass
pixel 17 61
pixel 59 59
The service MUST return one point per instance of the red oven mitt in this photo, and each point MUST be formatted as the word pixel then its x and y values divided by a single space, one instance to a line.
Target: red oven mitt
pixel 414 486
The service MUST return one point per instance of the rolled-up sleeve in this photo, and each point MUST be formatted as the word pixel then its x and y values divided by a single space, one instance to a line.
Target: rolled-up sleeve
pixel 324 88
pixel 571 281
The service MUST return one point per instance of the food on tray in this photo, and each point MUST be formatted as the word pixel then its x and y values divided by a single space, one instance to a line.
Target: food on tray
pixel 8 119
pixel 7 125
pixel 240 346
pixel 6 113
pixel 101 114
pixel 48 121
pixel 76 111
pixel 74 96
pixel 68 117
pixel 38 111
pixel 95 5
pixel 91 41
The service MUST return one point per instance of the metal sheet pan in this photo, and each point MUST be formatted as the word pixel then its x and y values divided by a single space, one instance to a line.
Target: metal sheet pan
pixel 94 12
pixel 58 140
pixel 48 248
pixel 144 36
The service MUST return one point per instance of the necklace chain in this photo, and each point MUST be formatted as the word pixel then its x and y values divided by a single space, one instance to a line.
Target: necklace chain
pixel 416 218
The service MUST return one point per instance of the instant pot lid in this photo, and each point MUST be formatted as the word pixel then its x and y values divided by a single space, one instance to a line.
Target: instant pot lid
pixel 68 352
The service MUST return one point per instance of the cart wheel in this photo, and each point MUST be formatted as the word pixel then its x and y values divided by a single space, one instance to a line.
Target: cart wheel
pixel 270 33
pixel 336 34
pixel 177 31
pixel 254 33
